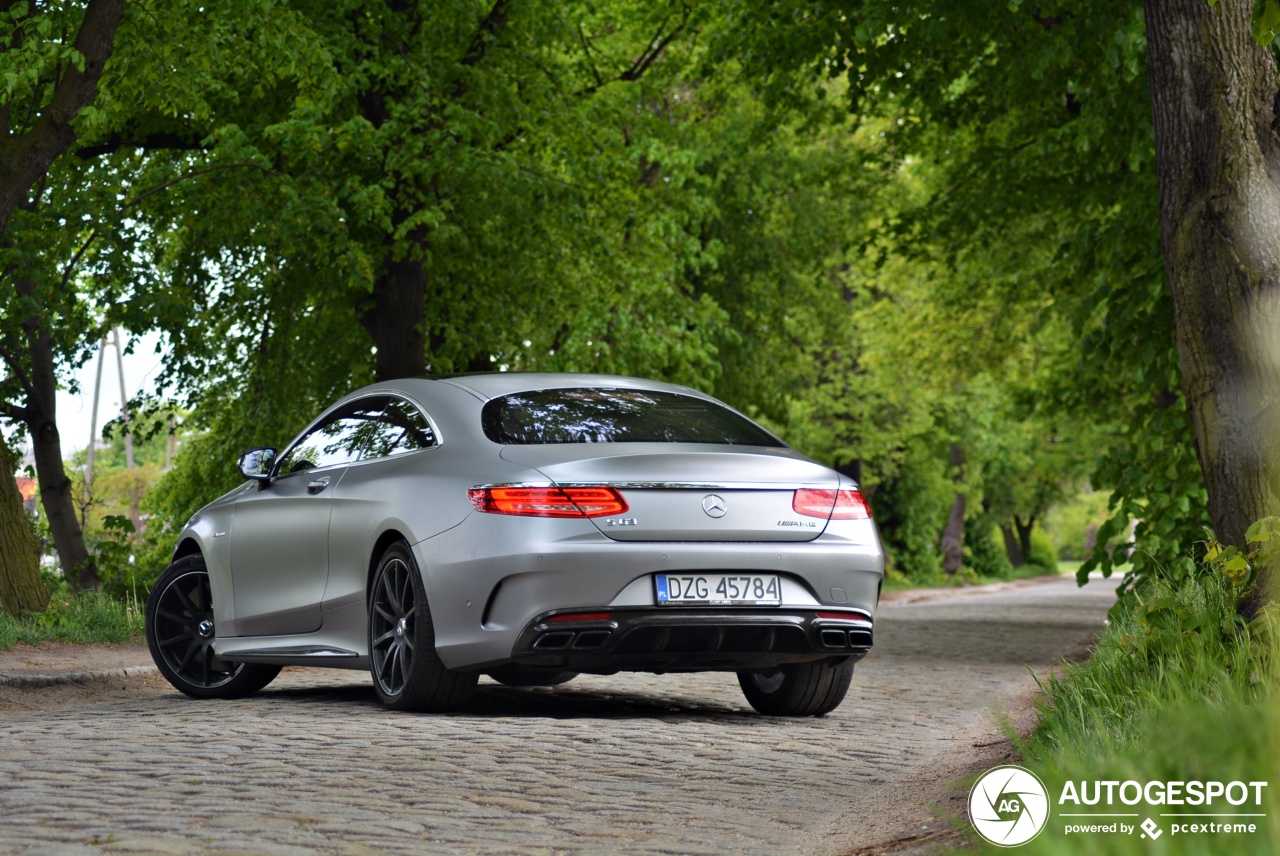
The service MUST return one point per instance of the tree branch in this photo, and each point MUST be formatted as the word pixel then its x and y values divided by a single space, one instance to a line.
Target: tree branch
pixel 25 158
pixel 17 414
pixel 494 21
pixel 16 367
pixel 656 46
pixel 149 142
pixel 192 174
pixel 586 50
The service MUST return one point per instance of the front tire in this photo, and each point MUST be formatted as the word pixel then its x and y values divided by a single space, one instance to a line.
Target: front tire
pixel 407 672
pixel 797 689
pixel 180 633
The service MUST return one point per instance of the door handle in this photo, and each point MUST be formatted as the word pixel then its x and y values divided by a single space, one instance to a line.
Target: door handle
pixel 318 485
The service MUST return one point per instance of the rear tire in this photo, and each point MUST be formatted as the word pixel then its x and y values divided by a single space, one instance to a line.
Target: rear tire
pixel 797 689
pixel 407 672
pixel 180 633
pixel 516 675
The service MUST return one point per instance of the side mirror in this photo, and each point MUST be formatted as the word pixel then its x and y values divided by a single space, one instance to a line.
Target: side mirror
pixel 256 464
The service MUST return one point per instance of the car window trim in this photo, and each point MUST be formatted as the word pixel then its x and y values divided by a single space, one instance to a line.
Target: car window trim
pixel 422 411
pixel 316 423
pixel 388 394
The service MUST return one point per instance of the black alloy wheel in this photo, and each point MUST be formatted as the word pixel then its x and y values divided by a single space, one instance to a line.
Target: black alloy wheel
pixel 181 629
pixel 407 672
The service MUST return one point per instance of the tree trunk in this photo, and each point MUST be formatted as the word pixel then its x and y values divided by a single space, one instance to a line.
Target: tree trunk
pixel 1024 534
pixel 853 470
pixel 395 318
pixel 1012 546
pixel 21 589
pixel 40 415
pixel 1214 97
pixel 953 535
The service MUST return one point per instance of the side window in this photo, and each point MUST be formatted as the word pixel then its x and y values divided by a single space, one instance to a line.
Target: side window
pixel 337 440
pixel 402 429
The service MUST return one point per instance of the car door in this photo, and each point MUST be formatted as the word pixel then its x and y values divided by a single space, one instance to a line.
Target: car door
pixel 280 534
pixel 378 489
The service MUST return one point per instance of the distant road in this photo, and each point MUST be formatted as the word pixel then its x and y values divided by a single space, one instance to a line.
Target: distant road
pixel 625 764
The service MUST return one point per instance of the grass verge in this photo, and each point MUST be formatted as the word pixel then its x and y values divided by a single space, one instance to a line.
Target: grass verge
pixel 1177 690
pixel 84 618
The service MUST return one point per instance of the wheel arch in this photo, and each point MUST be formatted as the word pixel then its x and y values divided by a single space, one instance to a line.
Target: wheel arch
pixel 385 540
pixel 186 547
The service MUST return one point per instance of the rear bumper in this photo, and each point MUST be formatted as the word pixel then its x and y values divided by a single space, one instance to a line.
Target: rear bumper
pixel 486 586
pixel 689 639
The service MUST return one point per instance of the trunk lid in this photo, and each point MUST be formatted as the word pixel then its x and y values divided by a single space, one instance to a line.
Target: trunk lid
pixel 689 493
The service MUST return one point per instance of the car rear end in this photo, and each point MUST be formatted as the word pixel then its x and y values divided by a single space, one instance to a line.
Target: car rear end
pixel 651 528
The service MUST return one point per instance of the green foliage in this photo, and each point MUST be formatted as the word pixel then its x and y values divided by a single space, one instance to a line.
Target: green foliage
pixel 1266 20
pixel 984 549
pixel 1038 220
pixel 880 249
pixel 911 510
pixel 1073 525
pixel 1178 688
pixel 1044 554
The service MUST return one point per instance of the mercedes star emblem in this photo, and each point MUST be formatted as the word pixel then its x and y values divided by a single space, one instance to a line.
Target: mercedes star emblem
pixel 714 506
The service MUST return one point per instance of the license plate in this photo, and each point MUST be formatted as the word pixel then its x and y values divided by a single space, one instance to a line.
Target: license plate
pixel 718 589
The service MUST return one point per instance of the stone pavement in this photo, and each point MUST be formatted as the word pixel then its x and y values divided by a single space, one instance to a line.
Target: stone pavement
pixel 619 764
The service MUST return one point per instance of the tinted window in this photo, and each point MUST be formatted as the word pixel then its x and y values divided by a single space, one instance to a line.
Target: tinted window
pixel 402 429
pixel 615 416
pixel 337 440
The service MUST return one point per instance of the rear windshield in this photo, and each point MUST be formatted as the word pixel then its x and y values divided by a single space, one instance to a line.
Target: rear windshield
pixel 616 416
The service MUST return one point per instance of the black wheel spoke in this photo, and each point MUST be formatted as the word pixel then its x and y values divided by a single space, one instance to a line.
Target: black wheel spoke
pixel 406 590
pixel 391 595
pixel 186 602
pixel 186 658
pixel 402 666
pixel 173 640
pixel 383 614
pixel 390 634
pixel 172 616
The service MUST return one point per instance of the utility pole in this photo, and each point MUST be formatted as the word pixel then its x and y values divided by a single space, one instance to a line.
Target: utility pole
pixel 93 419
pixel 93 434
pixel 124 402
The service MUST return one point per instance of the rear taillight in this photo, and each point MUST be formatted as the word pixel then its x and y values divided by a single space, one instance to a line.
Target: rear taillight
pixel 599 501
pixel 831 504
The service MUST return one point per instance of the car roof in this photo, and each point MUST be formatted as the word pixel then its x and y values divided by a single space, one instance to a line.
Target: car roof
pixel 490 385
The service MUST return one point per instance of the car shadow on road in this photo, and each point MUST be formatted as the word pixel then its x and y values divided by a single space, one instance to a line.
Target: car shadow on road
pixel 563 702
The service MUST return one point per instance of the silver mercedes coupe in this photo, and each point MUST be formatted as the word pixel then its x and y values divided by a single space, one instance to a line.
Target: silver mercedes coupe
pixel 530 527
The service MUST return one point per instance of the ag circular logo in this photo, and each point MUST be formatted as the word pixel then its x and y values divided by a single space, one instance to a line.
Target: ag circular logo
pixel 1008 806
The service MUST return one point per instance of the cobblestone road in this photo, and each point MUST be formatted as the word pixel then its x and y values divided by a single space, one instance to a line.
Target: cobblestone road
pixel 628 763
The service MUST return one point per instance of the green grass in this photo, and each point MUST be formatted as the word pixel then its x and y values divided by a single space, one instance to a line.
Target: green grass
pixel 1177 690
pixel 87 618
